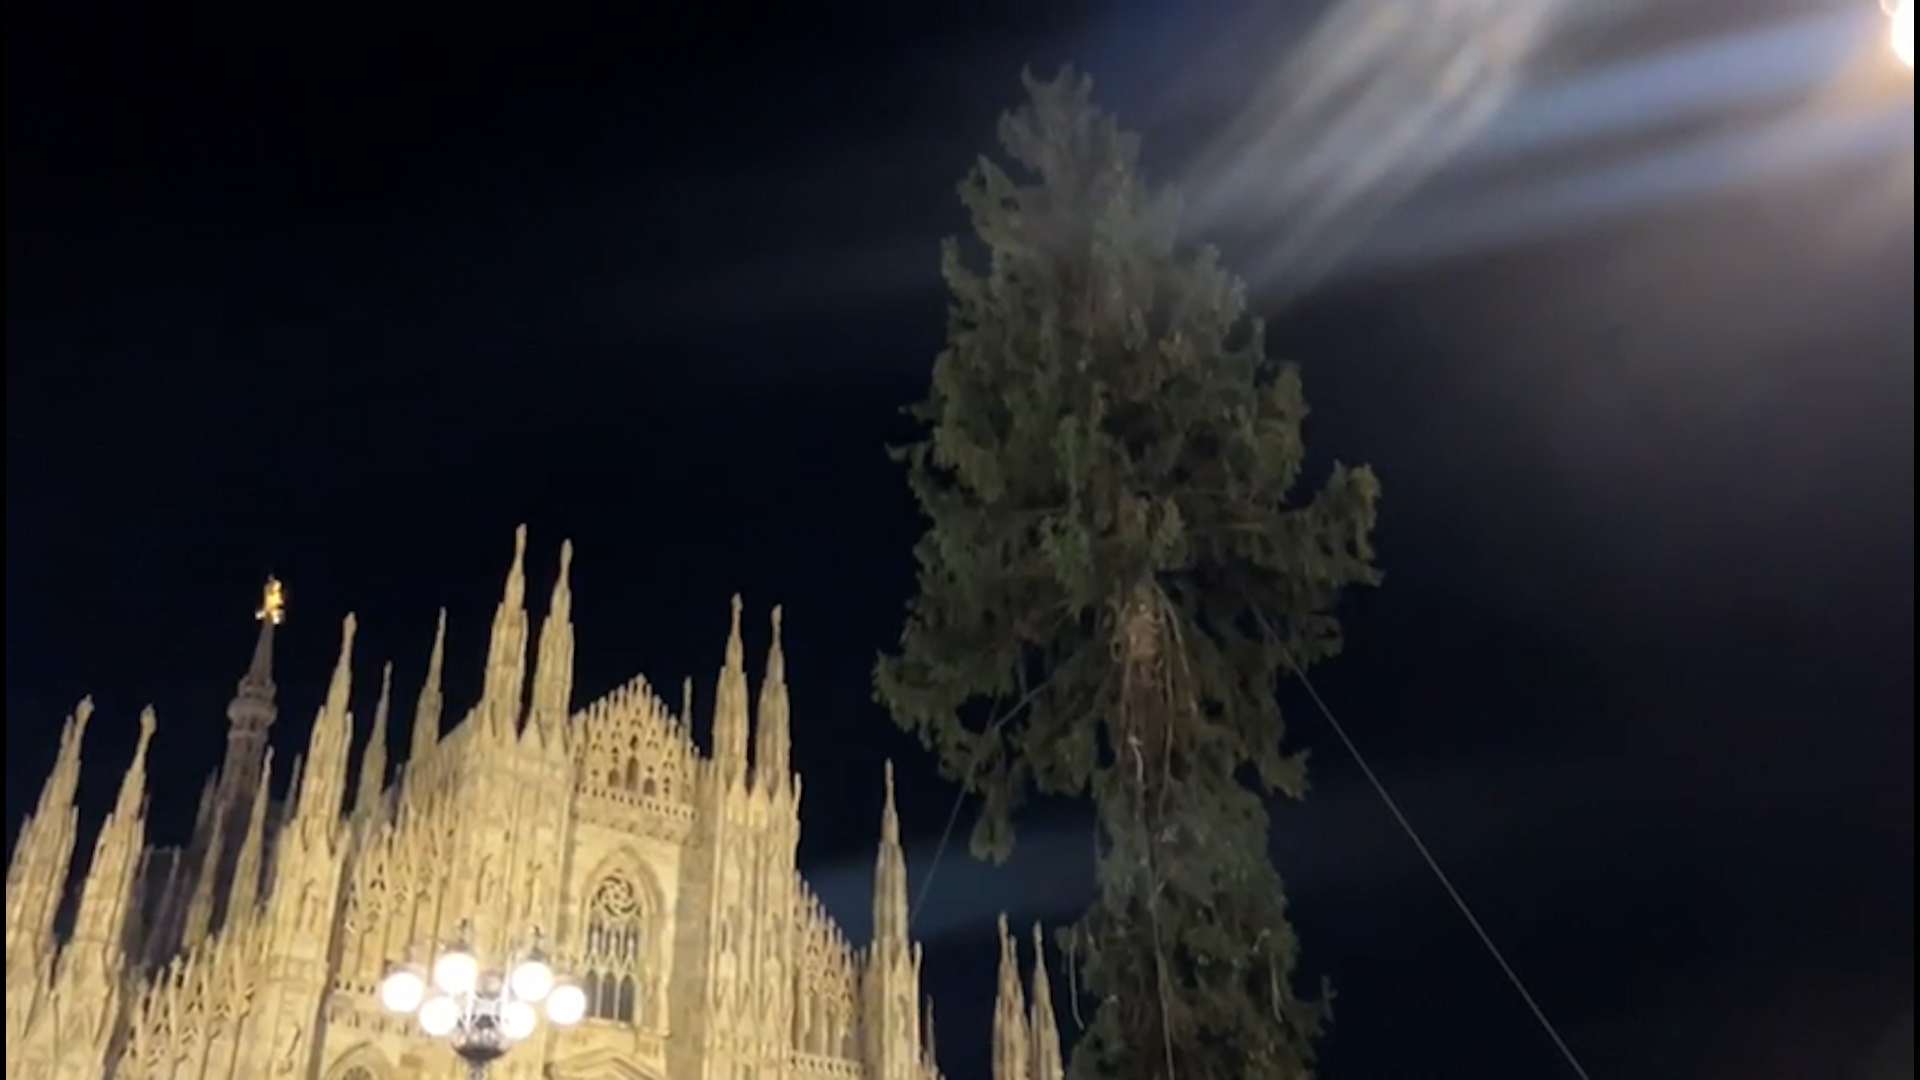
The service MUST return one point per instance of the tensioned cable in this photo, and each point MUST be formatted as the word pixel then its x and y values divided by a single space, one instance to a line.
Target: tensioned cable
pixel 1399 817
pixel 1433 864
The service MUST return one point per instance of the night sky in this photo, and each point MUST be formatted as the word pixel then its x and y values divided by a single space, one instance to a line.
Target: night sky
pixel 346 296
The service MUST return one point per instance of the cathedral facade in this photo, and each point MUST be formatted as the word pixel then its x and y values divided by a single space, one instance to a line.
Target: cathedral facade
pixel 661 878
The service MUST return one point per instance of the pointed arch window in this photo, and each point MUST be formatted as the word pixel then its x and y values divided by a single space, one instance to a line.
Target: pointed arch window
pixel 615 950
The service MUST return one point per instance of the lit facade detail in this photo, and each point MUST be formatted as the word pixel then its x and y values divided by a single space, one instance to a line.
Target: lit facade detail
pixel 662 879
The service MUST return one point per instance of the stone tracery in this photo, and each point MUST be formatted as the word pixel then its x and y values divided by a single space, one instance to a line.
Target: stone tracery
pixel 613 958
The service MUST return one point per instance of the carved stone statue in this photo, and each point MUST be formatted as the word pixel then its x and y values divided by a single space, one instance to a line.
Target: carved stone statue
pixel 723 991
pixel 290 1040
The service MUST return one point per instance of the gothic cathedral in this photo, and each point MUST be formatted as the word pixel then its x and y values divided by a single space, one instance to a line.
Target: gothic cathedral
pixel 663 879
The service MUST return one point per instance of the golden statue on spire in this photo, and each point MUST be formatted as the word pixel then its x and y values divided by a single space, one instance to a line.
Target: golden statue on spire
pixel 273 602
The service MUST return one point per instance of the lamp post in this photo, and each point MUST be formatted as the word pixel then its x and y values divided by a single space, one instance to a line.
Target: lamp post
pixel 1900 30
pixel 480 1011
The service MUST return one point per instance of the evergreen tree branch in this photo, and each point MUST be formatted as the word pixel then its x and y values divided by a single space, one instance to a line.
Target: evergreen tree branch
pixel 1119 567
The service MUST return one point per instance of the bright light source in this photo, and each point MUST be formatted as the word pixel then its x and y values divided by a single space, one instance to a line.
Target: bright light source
pixel 1901 14
pixel 439 1016
pixel 456 972
pixel 402 990
pixel 566 1005
pixel 531 980
pixel 517 1020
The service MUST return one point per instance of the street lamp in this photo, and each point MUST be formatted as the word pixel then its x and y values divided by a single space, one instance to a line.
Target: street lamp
pixel 482 1012
pixel 1900 13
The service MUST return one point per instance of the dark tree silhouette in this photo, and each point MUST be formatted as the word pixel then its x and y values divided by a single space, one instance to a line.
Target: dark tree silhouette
pixel 1120 567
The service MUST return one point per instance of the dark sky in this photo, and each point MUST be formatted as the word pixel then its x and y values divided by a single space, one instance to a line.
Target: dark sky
pixel 346 296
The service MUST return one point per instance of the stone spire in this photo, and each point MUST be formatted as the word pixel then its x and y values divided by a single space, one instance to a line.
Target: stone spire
pixel 252 709
pixel 43 853
pixel 107 894
pixel 890 878
pixel 730 709
pixel 553 667
pixel 249 715
pixel 203 820
pixel 206 887
pixel 373 761
pixel 426 712
pixel 90 976
pixel 506 676
pixel 1044 1027
pixel 773 732
pixel 189 916
pixel 933 1048
pixel 1012 1053
pixel 323 774
pixel 249 867
pixel 892 982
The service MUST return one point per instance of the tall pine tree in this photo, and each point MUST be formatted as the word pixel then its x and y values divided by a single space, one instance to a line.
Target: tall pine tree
pixel 1120 567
